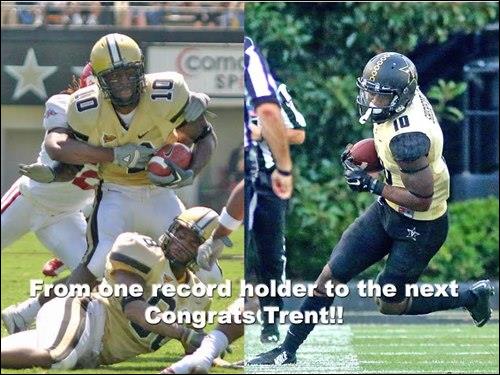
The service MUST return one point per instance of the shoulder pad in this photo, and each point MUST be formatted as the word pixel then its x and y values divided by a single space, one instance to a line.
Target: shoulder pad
pixel 135 253
pixel 409 146
pixel 83 110
pixel 169 95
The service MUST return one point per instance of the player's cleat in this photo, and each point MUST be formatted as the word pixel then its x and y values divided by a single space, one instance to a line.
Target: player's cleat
pixel 481 310
pixel 270 334
pixel 277 356
pixel 14 322
pixel 53 267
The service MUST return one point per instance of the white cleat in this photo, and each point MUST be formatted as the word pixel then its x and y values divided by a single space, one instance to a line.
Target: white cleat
pixel 13 320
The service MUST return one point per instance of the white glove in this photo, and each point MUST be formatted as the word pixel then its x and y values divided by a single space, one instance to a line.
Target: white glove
pixel 38 172
pixel 198 104
pixel 208 252
pixel 132 156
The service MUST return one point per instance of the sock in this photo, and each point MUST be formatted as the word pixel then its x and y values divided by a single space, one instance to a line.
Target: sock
pixel 426 305
pixel 29 309
pixel 211 347
pixel 297 333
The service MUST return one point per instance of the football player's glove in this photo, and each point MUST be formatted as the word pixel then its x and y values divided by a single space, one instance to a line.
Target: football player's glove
pixel 346 153
pixel 132 156
pixel 209 252
pixel 177 179
pixel 359 180
pixel 38 172
pixel 198 104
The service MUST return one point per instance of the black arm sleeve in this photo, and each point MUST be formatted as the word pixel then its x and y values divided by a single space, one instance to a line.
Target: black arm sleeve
pixel 408 147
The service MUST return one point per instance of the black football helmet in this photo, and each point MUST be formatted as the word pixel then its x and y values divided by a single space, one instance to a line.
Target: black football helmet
pixel 386 87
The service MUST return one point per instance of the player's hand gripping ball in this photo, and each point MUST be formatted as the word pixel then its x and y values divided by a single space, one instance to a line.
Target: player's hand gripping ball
pixel 177 153
pixel 364 152
pixel 169 166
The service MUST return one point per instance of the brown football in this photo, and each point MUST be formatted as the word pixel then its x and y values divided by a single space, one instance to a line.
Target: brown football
pixel 364 152
pixel 177 152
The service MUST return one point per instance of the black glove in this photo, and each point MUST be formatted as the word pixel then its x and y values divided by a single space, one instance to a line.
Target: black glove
pixel 346 153
pixel 359 180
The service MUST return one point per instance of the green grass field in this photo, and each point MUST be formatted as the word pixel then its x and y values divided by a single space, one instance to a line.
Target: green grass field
pixel 382 348
pixel 23 261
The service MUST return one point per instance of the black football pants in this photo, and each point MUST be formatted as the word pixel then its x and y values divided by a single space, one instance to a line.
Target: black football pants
pixel 264 236
pixel 381 231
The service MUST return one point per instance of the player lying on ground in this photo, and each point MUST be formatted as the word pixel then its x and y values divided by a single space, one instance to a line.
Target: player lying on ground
pixel 92 331
pixel 409 221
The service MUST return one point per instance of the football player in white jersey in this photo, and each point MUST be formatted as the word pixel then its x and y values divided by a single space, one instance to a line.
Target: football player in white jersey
pixel 408 222
pixel 118 123
pixel 52 211
pixel 89 331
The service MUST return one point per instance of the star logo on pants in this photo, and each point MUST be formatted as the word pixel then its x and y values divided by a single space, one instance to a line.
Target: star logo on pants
pixel 412 233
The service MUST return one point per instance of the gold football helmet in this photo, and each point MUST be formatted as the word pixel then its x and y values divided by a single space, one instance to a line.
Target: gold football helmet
pixel 188 231
pixel 118 63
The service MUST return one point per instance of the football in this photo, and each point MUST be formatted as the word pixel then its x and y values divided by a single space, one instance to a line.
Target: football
pixel 364 152
pixel 178 153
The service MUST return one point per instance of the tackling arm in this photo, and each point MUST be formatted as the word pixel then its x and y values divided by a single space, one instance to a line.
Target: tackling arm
pixel 61 146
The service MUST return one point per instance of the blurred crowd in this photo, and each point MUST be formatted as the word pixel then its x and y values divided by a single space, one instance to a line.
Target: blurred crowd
pixel 227 14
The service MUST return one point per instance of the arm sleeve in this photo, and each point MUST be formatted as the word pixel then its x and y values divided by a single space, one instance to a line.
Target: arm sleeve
pixel 407 147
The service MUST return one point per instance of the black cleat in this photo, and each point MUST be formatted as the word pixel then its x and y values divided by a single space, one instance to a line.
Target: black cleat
pixel 277 356
pixel 481 310
pixel 270 334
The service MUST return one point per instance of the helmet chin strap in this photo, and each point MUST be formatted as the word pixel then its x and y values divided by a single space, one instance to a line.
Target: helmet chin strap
pixel 363 119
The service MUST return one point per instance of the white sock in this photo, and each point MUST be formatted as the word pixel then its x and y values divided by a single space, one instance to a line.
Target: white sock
pixel 29 309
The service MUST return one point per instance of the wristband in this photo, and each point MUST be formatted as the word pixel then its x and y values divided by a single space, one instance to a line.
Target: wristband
pixel 228 221
pixel 377 187
pixel 284 173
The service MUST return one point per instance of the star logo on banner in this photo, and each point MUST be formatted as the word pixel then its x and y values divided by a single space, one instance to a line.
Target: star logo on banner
pixel 30 76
